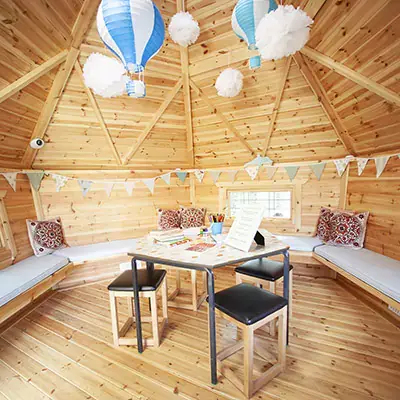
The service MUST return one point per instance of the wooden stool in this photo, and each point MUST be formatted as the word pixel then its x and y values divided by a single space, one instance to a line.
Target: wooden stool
pixel 250 308
pixel 265 273
pixel 149 285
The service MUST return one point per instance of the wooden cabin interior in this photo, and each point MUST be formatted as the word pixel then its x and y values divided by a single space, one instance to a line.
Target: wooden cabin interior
pixel 314 132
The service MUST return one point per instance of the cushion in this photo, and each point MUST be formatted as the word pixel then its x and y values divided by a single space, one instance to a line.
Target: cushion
pixel 147 281
pixel 89 252
pixel 348 229
pixel 45 236
pixel 169 219
pixel 25 274
pixel 247 303
pixel 262 268
pixel 192 217
pixel 377 270
pixel 324 224
pixel 300 243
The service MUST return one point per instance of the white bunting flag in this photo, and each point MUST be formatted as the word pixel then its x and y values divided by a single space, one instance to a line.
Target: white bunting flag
pixel 108 187
pixel 129 186
pixel 85 186
pixel 35 178
pixel 166 178
pixel 361 163
pixel 232 175
pixel 199 175
pixel 318 169
pixel 150 183
pixel 215 175
pixel 60 181
pixel 271 172
pixel 11 178
pixel 291 171
pixel 380 163
pixel 252 170
pixel 341 165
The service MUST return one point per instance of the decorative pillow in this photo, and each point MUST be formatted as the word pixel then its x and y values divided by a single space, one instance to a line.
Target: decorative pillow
pixel 192 217
pixel 45 236
pixel 324 224
pixel 348 229
pixel 169 219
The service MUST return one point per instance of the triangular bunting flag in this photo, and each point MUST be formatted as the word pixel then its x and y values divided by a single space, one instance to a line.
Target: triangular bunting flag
pixel 166 178
pixel 252 170
pixel 60 181
pixel 129 187
pixel 35 178
pixel 341 165
pixel 259 161
pixel 318 169
pixel 199 175
pixel 11 178
pixel 85 186
pixel 181 176
pixel 291 171
pixel 271 172
pixel 150 183
pixel 361 163
pixel 380 163
pixel 232 175
pixel 108 187
pixel 215 175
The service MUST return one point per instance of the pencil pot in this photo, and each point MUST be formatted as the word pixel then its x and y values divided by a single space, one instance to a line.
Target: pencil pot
pixel 216 228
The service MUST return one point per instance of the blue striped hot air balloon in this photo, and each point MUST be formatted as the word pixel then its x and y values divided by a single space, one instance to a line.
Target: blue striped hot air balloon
pixel 134 31
pixel 246 16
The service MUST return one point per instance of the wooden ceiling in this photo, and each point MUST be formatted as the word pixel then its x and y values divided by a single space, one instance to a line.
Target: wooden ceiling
pixel 339 96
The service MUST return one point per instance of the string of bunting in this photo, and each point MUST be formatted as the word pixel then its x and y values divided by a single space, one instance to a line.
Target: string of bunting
pixel 252 168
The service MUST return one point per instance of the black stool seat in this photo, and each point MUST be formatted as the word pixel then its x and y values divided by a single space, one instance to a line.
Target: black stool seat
pixel 147 281
pixel 247 303
pixel 262 268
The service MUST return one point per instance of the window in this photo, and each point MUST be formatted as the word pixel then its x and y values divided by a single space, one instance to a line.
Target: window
pixel 278 204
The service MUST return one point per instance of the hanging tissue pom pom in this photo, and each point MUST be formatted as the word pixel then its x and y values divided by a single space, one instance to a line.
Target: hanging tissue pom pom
pixel 229 83
pixel 105 75
pixel 183 29
pixel 282 32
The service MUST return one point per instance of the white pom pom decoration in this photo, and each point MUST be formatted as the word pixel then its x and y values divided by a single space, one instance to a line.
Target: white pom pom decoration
pixel 105 75
pixel 229 83
pixel 282 32
pixel 183 29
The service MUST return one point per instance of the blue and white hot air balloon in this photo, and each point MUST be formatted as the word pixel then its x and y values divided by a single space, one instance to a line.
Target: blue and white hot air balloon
pixel 246 16
pixel 134 31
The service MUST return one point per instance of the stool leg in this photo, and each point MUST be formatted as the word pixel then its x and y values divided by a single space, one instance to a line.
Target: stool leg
pixel 272 324
pixel 154 319
pixel 248 341
pixel 194 290
pixel 282 334
pixel 114 318
pixel 164 299
pixel 290 293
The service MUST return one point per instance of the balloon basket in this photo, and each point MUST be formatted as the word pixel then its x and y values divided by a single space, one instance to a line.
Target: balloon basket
pixel 255 62
pixel 136 89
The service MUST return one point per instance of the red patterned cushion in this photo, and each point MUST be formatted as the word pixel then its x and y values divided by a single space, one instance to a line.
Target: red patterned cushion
pixel 192 217
pixel 323 226
pixel 45 236
pixel 348 229
pixel 169 219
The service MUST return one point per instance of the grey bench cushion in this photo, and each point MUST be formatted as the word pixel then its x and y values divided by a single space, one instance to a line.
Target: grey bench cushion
pixel 22 276
pixel 377 270
pixel 300 243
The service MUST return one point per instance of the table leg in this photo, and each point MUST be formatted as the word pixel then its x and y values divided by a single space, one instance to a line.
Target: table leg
pixel 137 306
pixel 286 266
pixel 211 326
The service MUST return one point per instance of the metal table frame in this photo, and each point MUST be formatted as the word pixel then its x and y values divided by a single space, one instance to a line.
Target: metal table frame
pixel 150 261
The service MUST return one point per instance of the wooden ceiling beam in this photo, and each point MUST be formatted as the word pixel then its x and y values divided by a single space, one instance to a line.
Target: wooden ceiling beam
pixel 322 96
pixel 352 75
pixel 98 113
pixel 33 75
pixel 278 100
pixel 143 136
pixel 222 117
pixel 82 24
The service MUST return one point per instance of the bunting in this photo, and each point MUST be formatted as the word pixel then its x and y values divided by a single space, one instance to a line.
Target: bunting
pixel 291 171
pixel 318 169
pixel 108 187
pixel 11 178
pixel 380 163
pixel 181 176
pixel 199 174
pixel 35 178
pixel 85 186
pixel 166 178
pixel 252 170
pixel 60 181
pixel 129 186
pixel 150 183
pixel 271 172
pixel 259 161
pixel 361 163
pixel 215 175
pixel 341 165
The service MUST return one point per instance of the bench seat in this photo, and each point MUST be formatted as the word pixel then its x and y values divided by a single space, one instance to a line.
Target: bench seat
pixel 300 243
pixel 376 270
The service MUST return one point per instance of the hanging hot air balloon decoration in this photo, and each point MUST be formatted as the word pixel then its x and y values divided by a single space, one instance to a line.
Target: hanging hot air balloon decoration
pixel 246 16
pixel 134 31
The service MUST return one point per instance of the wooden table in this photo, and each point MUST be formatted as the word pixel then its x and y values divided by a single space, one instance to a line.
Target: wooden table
pixel 217 257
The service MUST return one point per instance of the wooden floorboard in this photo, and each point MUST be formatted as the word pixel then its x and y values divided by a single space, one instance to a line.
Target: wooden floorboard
pixel 339 349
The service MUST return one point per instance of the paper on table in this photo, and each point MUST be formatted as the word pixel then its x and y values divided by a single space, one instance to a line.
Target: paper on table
pixel 245 226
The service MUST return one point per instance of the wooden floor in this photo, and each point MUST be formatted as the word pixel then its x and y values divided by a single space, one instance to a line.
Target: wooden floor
pixel 340 349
